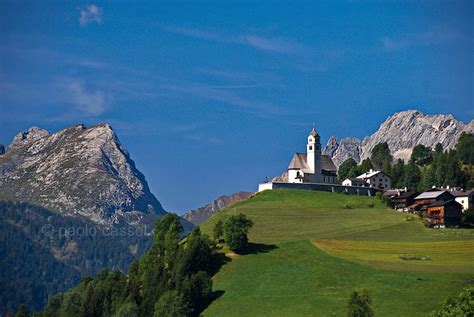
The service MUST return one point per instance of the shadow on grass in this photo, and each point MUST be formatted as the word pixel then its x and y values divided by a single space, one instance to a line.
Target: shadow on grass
pixel 219 260
pixel 214 295
pixel 256 248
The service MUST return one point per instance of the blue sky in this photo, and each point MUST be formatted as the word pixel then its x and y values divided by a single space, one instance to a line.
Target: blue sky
pixel 211 97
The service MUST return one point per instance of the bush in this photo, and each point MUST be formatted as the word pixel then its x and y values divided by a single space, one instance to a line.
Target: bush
pixel 461 305
pixel 468 216
pixel 359 304
pixel 421 214
pixel 236 230
pixel 218 231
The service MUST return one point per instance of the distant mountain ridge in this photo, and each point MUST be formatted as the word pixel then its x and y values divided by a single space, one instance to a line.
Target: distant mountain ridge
pixel 402 131
pixel 77 171
pixel 201 214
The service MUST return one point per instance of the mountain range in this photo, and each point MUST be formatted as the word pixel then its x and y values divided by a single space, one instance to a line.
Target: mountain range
pixel 402 131
pixel 201 214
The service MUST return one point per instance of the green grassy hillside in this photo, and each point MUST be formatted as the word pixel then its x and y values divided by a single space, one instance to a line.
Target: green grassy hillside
pixel 313 248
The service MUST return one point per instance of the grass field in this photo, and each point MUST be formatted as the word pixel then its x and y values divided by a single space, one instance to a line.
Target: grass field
pixel 315 248
pixel 444 256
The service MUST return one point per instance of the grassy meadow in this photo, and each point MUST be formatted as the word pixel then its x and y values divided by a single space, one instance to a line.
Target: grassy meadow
pixel 313 248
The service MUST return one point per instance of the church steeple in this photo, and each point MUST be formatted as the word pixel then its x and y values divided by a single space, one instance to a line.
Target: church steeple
pixel 313 153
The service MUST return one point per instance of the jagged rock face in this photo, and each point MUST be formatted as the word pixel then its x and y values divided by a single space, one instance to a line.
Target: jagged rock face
pixel 342 150
pixel 2 149
pixel 198 216
pixel 402 131
pixel 77 171
pixel 33 134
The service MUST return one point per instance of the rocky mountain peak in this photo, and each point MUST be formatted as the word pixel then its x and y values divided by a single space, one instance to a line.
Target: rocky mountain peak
pixel 343 149
pixel 25 137
pixel 77 170
pixel 402 131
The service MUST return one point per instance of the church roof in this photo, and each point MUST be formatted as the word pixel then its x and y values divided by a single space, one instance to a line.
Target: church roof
pixel 299 162
pixel 327 163
pixel 313 132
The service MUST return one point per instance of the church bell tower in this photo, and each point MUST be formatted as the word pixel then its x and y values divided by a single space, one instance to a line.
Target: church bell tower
pixel 313 155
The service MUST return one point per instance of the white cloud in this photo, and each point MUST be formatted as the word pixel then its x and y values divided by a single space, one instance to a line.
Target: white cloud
pixel 92 103
pixel 274 45
pixel 90 14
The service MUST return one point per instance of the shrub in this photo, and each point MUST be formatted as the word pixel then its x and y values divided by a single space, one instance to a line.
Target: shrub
pixel 218 231
pixel 461 305
pixel 236 230
pixel 359 304
pixel 468 216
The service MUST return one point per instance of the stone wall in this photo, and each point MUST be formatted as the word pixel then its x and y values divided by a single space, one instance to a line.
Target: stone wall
pixel 352 190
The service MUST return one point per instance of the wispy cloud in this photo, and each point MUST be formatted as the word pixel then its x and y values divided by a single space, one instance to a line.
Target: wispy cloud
pixel 90 14
pixel 92 103
pixel 262 43
pixel 271 44
pixel 433 37
pixel 225 96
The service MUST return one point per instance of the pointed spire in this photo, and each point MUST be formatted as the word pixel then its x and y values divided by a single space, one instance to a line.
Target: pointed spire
pixel 313 132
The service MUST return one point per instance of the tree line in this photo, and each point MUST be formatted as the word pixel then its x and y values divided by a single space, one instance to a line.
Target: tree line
pixel 172 279
pixel 426 167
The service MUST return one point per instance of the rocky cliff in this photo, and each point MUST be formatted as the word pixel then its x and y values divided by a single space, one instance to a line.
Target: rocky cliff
pixel 402 131
pixel 199 215
pixel 77 171
pixel 343 149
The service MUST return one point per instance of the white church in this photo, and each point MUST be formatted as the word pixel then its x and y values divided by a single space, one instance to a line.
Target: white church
pixel 311 169
pixel 312 166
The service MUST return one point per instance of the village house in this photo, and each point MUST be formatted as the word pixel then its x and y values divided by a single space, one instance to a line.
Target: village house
pixel 312 166
pixel 404 200
pixel 354 182
pixel 466 199
pixel 441 214
pixel 373 179
pixel 422 201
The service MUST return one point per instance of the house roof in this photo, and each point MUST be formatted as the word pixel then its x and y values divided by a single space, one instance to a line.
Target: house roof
pixel 434 189
pixel 408 194
pixel 391 192
pixel 445 203
pixel 370 174
pixel 431 195
pixel 299 162
pixel 355 180
pixel 457 193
